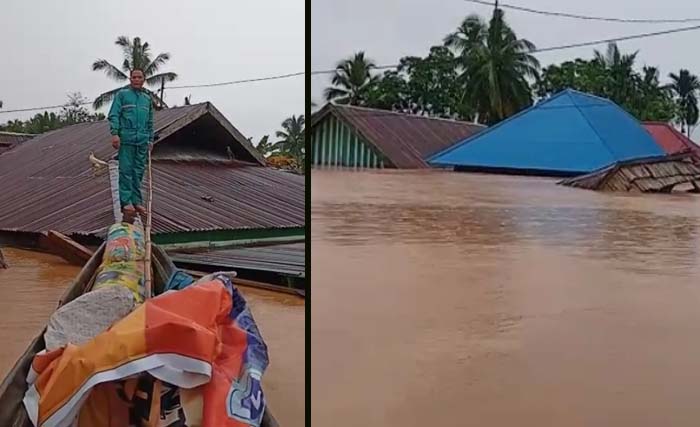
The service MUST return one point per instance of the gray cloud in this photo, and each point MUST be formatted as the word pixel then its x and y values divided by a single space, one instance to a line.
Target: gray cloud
pixel 390 29
pixel 48 47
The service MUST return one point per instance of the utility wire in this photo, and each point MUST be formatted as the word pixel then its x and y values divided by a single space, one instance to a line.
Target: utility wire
pixel 572 45
pixel 259 79
pixel 318 72
pixel 617 39
pixel 586 17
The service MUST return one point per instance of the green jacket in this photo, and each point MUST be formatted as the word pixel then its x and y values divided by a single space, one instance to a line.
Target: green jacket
pixel 131 117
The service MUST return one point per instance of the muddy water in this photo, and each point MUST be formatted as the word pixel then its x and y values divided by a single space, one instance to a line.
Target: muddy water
pixel 280 318
pixel 29 292
pixel 480 300
pixel 31 287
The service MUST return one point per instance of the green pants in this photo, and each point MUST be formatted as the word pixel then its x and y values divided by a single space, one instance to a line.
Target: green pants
pixel 132 163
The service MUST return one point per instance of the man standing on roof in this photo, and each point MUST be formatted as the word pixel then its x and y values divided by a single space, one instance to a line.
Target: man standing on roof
pixel 131 126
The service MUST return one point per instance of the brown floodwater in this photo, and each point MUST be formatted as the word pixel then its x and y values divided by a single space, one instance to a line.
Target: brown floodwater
pixel 483 300
pixel 31 287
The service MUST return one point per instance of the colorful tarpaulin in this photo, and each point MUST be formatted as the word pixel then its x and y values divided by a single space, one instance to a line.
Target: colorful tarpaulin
pixel 202 340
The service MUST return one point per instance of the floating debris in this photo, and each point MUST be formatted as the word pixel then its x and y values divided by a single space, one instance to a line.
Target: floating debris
pixel 650 175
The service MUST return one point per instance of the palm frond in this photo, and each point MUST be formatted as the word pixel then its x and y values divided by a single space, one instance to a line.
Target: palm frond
pixel 157 79
pixel 333 94
pixel 154 65
pixel 109 69
pixel 105 98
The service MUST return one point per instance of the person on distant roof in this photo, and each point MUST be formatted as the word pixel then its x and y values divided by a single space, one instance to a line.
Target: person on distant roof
pixel 131 126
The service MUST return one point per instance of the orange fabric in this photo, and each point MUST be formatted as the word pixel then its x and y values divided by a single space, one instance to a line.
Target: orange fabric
pixel 189 336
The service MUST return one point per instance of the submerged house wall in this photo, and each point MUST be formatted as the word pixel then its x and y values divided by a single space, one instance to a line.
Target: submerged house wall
pixel 334 144
pixel 366 138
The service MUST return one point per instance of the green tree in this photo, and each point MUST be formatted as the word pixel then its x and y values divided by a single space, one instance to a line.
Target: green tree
pixel 352 81
pixel 496 65
pixel 72 112
pixel 619 72
pixel 389 92
pixel 612 75
pixel 685 86
pixel 426 86
pixel 291 140
pixel 264 146
pixel 135 55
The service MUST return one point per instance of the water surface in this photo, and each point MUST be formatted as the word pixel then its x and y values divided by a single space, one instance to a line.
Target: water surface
pixel 31 287
pixel 485 300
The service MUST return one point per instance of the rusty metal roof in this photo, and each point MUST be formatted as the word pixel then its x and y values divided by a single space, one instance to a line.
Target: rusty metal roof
pixel 9 140
pixel 48 182
pixel 670 140
pixel 405 140
pixel 287 259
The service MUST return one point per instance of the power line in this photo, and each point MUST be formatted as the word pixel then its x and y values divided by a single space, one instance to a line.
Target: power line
pixel 50 107
pixel 586 17
pixel 234 82
pixel 617 39
pixel 259 79
pixel 573 45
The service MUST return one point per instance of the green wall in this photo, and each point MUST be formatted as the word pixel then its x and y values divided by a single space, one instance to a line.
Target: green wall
pixel 334 144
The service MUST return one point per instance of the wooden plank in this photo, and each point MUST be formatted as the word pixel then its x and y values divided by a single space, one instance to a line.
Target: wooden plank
pixel 65 247
pixel 249 283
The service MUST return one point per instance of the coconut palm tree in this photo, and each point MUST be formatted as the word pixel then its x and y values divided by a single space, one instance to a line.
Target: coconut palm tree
pixel 291 138
pixel 495 66
pixel 136 55
pixel 620 74
pixel 352 80
pixel 686 86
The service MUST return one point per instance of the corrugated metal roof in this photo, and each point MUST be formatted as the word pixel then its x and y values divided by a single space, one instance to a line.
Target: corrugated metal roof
pixel 244 197
pixel 670 140
pixel 288 259
pixel 405 140
pixel 48 184
pixel 569 133
pixel 9 140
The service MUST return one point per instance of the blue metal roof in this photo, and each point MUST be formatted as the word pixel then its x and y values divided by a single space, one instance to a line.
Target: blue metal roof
pixel 571 132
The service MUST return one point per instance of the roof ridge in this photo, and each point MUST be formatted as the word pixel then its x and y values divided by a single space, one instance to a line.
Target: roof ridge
pixel 389 112
pixel 497 125
pixel 595 131
pixel 3 132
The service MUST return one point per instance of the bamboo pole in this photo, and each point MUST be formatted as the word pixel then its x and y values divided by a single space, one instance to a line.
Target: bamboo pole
pixel 149 206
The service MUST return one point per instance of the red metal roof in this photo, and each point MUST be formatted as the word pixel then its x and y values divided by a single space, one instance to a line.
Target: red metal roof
pixel 48 183
pixel 670 140
pixel 405 140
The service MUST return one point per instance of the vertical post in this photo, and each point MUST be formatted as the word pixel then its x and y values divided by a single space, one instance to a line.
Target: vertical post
pixel 162 90
pixel 355 157
pixel 147 271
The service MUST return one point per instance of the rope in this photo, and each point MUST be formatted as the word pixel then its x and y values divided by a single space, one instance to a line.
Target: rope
pixel 149 205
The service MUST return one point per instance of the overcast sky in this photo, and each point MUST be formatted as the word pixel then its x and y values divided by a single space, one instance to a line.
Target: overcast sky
pixel 389 29
pixel 48 47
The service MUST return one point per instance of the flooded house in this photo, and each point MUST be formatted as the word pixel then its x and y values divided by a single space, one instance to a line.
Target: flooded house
pixel 671 140
pixel 215 202
pixel 572 133
pixel 364 138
